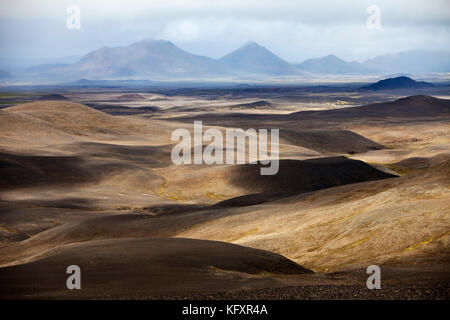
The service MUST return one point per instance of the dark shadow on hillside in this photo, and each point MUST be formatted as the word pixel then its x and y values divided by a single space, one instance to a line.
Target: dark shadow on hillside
pixel 296 176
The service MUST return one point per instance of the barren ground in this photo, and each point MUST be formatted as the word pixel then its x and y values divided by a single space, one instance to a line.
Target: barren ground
pixel 95 186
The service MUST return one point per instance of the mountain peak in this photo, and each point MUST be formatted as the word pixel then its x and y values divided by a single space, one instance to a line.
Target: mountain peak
pixel 251 46
pixel 251 43
pixel 332 57
pixel 256 59
pixel 153 42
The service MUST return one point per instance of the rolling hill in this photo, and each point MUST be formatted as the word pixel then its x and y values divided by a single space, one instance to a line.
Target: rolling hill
pixel 408 107
pixel 153 267
pixel 398 83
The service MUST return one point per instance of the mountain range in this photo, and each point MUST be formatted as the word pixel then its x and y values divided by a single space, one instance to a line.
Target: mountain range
pixel 333 65
pixel 5 75
pixel 160 59
pixel 415 61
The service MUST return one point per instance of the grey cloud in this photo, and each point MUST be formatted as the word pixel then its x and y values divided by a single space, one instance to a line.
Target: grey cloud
pixel 295 30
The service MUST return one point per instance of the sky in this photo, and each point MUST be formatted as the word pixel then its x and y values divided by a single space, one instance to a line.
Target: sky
pixel 35 31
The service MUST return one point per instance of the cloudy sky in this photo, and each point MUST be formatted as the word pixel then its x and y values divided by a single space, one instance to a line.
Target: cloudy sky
pixel 35 31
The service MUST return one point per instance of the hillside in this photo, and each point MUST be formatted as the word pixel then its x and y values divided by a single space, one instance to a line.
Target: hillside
pixel 397 83
pixel 302 176
pixel 355 225
pixel 53 96
pixel 152 266
pixel 409 107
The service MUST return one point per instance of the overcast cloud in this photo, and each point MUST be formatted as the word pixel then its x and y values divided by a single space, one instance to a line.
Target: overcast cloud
pixel 34 31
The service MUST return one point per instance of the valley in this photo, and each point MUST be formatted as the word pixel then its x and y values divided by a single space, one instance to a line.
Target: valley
pixel 86 178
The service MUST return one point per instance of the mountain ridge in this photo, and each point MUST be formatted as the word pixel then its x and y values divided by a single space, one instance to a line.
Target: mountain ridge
pixel 331 64
pixel 162 59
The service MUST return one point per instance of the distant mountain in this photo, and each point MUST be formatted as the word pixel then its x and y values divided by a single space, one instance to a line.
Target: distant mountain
pixel 415 61
pixel 159 60
pixel 252 58
pixel 111 83
pixel 146 58
pixel 333 65
pixel 5 75
pixel 42 68
pixel 398 83
pixel 53 97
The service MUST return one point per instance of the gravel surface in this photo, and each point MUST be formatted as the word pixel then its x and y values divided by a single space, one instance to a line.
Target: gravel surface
pixel 329 292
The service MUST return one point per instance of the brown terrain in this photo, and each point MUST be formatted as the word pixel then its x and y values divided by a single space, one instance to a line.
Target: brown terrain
pixel 86 179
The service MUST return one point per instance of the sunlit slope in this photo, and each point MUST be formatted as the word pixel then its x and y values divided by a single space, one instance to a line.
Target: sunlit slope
pixel 382 222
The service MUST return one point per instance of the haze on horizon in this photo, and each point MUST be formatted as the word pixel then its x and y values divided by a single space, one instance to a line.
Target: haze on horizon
pixel 34 32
